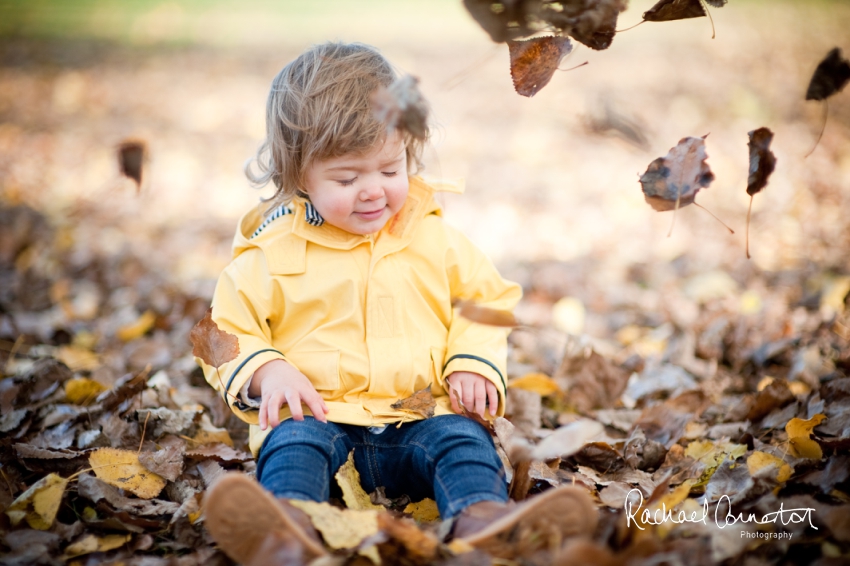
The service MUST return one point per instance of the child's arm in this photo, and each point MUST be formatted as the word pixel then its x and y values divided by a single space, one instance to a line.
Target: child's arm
pixel 476 354
pixel 278 382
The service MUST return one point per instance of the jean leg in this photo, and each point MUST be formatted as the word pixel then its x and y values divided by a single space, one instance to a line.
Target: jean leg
pixel 298 458
pixel 454 454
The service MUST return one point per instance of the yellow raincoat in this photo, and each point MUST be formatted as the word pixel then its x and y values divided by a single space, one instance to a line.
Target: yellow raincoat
pixel 368 319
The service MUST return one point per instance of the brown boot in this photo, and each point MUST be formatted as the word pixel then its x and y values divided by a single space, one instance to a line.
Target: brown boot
pixel 243 518
pixel 542 522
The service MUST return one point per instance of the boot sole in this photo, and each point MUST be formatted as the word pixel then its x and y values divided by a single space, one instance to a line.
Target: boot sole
pixel 240 515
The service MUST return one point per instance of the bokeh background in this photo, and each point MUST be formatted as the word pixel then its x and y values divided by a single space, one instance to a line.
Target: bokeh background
pixel 552 181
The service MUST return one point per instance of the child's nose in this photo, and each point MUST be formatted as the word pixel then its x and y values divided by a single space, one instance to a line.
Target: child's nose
pixel 371 190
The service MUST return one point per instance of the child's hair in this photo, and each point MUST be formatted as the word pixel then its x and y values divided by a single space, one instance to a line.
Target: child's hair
pixel 319 107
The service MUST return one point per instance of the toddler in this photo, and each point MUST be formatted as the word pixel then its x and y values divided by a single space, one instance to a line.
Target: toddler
pixel 340 294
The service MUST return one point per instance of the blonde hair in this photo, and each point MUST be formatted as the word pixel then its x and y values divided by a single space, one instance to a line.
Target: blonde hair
pixel 319 107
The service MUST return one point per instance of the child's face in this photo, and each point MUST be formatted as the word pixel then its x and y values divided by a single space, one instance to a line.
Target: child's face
pixel 359 193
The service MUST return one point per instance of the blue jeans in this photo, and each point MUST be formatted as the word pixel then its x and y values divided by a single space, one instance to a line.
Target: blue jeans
pixel 449 458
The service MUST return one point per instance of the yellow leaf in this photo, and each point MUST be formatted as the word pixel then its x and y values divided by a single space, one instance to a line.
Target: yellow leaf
pixel 568 315
pixel 670 500
pixel 799 431
pixel 537 382
pixel 759 460
pixel 700 449
pixel 800 427
pixel 82 390
pixel 121 468
pixel 460 546
pixel 78 359
pixel 803 447
pixel 39 504
pixel 353 494
pixel 799 388
pixel 138 328
pixel 424 511
pixel 341 528
pixel 91 543
pixel 209 434
pixel 712 454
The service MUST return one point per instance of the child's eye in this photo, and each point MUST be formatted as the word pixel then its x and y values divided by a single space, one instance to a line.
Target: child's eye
pixel 347 182
pixel 390 173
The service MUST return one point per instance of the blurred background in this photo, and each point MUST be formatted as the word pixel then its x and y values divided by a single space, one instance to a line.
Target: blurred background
pixel 552 181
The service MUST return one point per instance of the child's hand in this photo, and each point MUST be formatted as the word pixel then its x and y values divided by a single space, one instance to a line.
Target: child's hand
pixel 473 390
pixel 278 383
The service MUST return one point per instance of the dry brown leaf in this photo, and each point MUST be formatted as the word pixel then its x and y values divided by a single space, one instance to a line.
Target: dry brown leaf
pixel 131 158
pixel 421 403
pixel 484 315
pixel 567 440
pixel 90 543
pixel 421 547
pixel 534 62
pixel 758 461
pixel 82 390
pixel 425 511
pixel 39 504
pixel 121 468
pixel 348 479
pixel 402 106
pixel 213 345
pixel 829 77
pixel 166 462
pixel 340 528
pixel 669 10
pixel 673 181
pixel 762 164
pixel 220 453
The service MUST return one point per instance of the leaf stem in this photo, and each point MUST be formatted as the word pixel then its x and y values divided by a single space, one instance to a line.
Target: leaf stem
pixel 630 27
pixel 749 210
pixel 731 231
pixel 823 128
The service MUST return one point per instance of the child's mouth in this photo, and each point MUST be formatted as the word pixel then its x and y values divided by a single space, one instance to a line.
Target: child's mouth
pixel 370 215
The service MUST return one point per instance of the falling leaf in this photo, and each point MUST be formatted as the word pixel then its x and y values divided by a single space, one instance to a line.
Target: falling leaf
pixel 348 479
pixel 534 61
pixel 340 528
pixel 831 75
pixel 402 106
pixel 484 315
pixel 758 461
pixel 762 164
pixel 425 511
pixel 421 403
pixel 121 468
pixel 39 504
pixel 673 181
pixel 540 383
pixel 91 543
pixel 213 345
pixel 138 328
pixel 669 10
pixel 799 437
pixel 82 390
pixel 131 157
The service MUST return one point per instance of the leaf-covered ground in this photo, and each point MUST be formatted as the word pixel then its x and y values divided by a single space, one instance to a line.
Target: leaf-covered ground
pixel 696 361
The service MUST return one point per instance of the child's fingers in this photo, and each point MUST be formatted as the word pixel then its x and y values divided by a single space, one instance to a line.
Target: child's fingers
pixel 480 397
pixel 493 398
pixel 273 409
pixel 317 407
pixel 469 397
pixel 264 419
pixel 293 399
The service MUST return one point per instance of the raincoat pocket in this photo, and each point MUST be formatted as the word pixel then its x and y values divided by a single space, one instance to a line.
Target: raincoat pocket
pixel 320 366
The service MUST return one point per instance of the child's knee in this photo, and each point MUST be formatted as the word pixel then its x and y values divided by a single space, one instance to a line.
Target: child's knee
pixel 309 431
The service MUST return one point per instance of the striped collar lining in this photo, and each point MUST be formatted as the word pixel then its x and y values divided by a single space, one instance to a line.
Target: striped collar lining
pixel 311 216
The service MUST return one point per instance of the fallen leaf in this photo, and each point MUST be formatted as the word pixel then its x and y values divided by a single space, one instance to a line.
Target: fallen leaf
pixel 540 383
pixel 340 528
pixel 425 511
pixel 673 181
pixel 484 315
pixel 348 479
pixel 420 546
pixel 131 157
pixel 669 10
pixel 799 437
pixel 166 462
pixel 830 76
pixel 39 504
pixel 126 387
pixel 402 106
pixel 82 390
pixel 758 461
pixel 219 452
pixel 213 345
pixel 97 490
pixel 121 468
pixel 534 62
pixel 421 403
pixel 138 328
pixel 762 164
pixel 91 543
pixel 567 440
